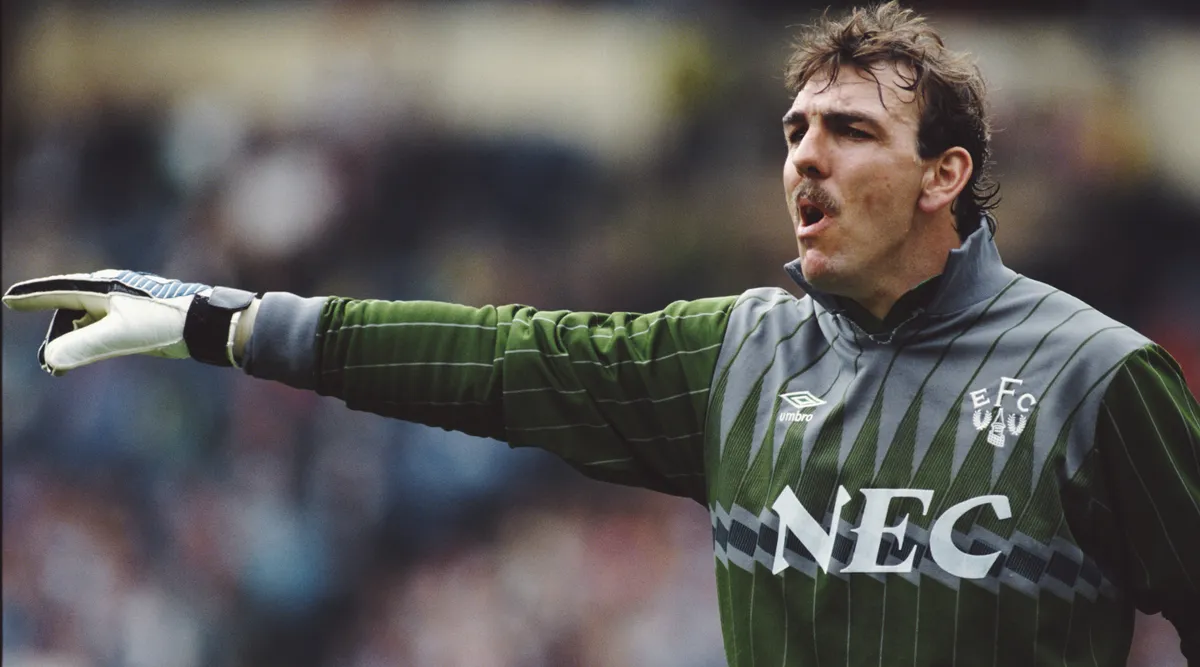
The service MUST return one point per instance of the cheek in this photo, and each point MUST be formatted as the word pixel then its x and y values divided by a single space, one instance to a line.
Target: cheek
pixel 890 195
pixel 877 199
pixel 791 178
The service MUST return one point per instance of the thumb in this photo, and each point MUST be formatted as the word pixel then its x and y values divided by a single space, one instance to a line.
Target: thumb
pixel 132 325
pixel 81 347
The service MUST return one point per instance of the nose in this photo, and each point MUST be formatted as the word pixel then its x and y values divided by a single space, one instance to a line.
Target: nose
pixel 809 157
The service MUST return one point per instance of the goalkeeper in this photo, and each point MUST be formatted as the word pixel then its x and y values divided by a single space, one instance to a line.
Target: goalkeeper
pixel 927 460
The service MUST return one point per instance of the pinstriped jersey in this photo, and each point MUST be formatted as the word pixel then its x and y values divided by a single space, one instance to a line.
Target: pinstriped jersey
pixel 1000 480
pixel 925 490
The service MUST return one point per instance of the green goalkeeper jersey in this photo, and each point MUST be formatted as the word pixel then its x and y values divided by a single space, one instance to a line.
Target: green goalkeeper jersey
pixel 999 478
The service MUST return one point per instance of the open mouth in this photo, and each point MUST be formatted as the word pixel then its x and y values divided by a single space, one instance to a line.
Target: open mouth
pixel 810 214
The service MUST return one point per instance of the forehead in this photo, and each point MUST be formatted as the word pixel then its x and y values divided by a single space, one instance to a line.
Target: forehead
pixel 882 96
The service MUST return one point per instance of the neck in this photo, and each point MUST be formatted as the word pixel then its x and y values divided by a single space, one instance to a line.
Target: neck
pixel 913 264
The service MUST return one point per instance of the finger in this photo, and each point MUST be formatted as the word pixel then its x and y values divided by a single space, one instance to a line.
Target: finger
pixel 75 291
pixel 93 303
pixel 80 291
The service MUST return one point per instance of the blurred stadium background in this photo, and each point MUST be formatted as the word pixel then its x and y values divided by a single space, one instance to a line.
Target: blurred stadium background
pixel 590 155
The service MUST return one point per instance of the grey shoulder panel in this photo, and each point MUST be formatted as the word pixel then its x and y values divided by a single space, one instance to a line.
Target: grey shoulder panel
pixel 1078 350
pixel 759 322
pixel 283 346
pixel 746 317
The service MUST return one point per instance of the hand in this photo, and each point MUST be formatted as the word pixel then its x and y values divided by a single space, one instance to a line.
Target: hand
pixel 114 313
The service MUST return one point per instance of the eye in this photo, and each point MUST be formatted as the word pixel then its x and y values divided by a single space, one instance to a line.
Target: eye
pixel 795 136
pixel 855 133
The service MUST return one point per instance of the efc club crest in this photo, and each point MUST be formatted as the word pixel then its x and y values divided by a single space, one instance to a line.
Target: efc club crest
pixel 992 416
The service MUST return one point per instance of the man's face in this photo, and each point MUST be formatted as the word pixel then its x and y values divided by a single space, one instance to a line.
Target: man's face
pixel 852 178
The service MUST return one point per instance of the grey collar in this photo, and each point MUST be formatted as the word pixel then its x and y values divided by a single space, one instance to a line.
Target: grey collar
pixel 974 272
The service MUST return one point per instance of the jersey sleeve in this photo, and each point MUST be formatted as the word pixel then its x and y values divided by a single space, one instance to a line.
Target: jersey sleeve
pixel 1148 435
pixel 621 397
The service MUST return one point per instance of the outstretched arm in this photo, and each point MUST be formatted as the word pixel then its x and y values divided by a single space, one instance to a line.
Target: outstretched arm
pixel 619 396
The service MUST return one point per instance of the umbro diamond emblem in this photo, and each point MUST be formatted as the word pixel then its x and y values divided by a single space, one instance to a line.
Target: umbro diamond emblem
pixel 801 399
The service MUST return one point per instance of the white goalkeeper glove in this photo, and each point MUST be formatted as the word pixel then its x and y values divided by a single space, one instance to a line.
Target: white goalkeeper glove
pixel 114 313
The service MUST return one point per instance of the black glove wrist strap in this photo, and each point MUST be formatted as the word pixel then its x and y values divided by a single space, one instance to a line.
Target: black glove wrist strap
pixel 206 329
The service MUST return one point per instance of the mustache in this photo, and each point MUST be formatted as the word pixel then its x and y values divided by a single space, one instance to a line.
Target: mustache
pixel 816 194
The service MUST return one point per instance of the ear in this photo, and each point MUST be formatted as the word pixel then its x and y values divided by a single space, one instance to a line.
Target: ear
pixel 945 177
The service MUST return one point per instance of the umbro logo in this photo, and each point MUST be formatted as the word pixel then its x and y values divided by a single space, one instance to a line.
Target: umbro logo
pixel 799 400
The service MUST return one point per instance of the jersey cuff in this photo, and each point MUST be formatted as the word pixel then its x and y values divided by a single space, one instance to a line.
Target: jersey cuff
pixel 283 345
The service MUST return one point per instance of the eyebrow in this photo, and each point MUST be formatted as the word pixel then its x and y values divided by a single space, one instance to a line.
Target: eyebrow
pixel 843 117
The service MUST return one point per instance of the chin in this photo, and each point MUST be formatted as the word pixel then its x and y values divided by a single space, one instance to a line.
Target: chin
pixel 826 275
pixel 818 269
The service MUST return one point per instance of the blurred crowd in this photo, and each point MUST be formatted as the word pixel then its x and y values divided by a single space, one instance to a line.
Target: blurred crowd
pixel 163 514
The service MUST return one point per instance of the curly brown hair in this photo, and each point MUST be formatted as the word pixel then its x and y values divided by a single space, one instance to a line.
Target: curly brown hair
pixel 948 85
